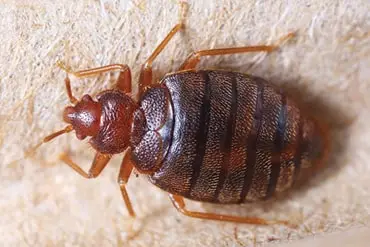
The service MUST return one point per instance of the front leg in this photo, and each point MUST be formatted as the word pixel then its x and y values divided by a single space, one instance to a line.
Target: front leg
pixel 98 164
pixel 123 82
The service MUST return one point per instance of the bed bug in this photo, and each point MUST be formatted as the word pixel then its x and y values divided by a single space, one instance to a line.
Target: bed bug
pixel 207 135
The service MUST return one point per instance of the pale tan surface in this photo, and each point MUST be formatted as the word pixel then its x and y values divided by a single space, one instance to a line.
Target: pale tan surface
pixel 357 236
pixel 43 203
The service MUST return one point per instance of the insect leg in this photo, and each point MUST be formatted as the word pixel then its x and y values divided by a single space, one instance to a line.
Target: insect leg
pixel 178 202
pixel 194 58
pixel 98 164
pixel 72 98
pixel 124 174
pixel 123 81
pixel 146 70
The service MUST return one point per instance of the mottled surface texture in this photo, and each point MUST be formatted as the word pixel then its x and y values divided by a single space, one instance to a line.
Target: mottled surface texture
pixel 44 203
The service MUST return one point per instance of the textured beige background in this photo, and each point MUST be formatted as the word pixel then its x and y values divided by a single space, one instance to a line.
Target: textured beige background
pixel 43 203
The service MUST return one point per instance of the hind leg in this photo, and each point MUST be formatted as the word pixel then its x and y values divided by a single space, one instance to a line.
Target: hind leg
pixel 179 203
pixel 194 58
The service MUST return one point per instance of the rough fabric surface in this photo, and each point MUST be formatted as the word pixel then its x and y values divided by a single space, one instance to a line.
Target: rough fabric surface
pixel 44 203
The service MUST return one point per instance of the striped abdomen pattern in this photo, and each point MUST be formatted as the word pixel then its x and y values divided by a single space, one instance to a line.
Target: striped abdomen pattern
pixel 234 139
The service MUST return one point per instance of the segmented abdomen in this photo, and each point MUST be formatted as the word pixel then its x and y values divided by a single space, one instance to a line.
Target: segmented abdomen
pixel 234 139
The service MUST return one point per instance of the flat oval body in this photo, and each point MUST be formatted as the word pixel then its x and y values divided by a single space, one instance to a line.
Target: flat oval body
pixel 233 138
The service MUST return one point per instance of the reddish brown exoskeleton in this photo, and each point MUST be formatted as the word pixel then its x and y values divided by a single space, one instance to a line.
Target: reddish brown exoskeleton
pixel 207 135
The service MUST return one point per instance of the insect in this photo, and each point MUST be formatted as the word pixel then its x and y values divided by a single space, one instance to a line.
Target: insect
pixel 206 135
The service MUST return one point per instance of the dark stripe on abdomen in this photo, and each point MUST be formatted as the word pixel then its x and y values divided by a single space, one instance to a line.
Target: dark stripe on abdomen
pixel 277 149
pixel 202 133
pixel 252 143
pixel 300 147
pixel 227 138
